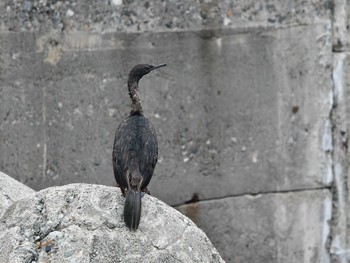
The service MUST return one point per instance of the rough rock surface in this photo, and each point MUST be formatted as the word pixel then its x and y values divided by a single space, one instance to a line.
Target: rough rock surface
pixel 83 223
pixel 11 191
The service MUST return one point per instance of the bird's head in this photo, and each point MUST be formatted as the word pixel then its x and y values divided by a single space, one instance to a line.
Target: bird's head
pixel 142 69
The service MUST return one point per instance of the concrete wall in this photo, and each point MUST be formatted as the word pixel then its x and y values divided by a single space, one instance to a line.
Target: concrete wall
pixel 250 111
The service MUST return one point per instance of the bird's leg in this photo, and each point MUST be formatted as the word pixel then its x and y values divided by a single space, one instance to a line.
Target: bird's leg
pixel 145 190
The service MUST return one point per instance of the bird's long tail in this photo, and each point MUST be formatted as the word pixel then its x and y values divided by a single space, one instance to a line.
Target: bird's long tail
pixel 132 209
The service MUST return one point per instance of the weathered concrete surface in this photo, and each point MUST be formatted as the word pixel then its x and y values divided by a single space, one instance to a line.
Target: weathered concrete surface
pixel 340 246
pixel 256 120
pixel 341 23
pixel 83 223
pixel 282 227
pixel 158 15
pixel 253 108
pixel 11 191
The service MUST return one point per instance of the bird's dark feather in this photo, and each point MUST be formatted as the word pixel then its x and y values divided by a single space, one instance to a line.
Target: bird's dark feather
pixel 135 141
pixel 135 150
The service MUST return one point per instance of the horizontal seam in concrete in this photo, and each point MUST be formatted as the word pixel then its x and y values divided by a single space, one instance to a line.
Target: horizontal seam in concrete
pixel 205 33
pixel 258 194
pixel 239 29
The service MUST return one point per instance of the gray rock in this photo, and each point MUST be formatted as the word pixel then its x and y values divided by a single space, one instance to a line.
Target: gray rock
pixel 11 191
pixel 83 223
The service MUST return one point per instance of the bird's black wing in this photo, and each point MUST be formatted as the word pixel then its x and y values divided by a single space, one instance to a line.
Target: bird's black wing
pixel 135 140
pixel 122 141
pixel 149 149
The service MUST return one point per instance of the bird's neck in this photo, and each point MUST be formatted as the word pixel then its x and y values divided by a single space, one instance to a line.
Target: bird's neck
pixel 136 106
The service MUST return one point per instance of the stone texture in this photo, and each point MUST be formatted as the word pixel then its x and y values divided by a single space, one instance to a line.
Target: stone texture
pixel 11 191
pixel 131 16
pixel 83 223
pixel 253 108
pixel 281 227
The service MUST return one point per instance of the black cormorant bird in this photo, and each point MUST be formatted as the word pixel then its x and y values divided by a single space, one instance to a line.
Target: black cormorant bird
pixel 135 151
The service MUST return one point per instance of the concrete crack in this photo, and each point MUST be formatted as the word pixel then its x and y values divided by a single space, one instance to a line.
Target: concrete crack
pixel 257 194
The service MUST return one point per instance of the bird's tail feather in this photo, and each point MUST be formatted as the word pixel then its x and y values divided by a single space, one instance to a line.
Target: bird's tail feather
pixel 132 209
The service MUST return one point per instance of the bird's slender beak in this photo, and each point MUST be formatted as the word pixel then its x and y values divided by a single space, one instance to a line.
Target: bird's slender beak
pixel 158 66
